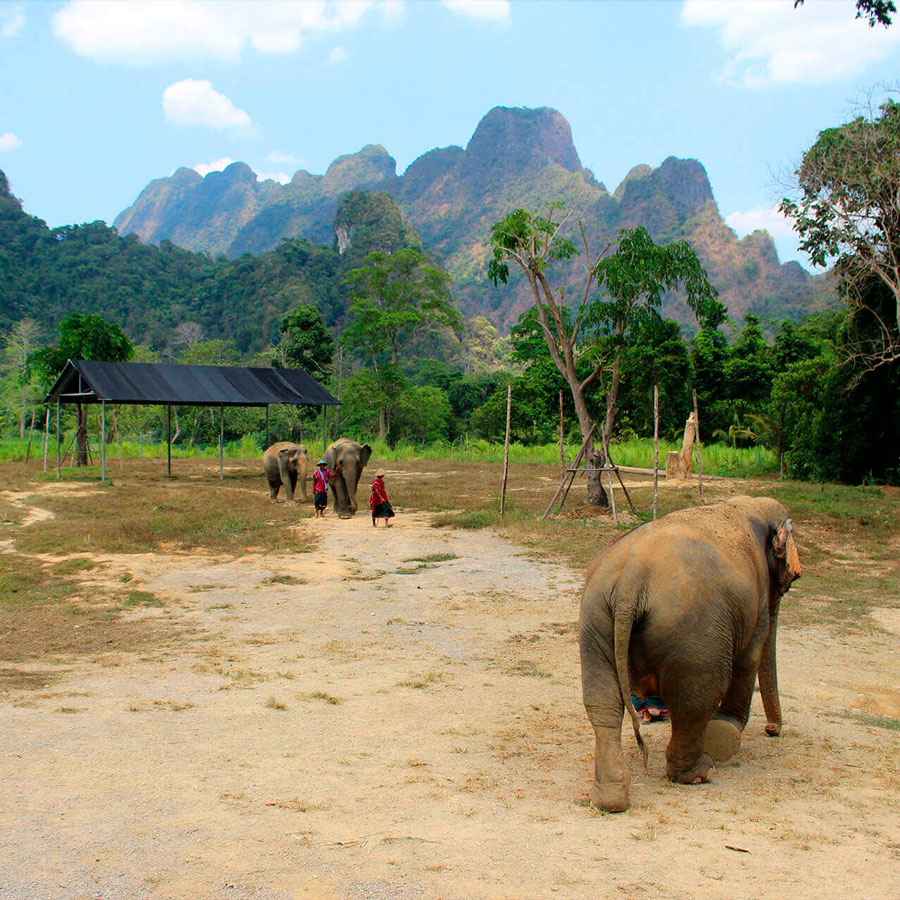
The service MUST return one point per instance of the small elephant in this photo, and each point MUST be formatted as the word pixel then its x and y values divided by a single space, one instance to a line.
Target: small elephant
pixel 685 608
pixel 284 464
pixel 346 459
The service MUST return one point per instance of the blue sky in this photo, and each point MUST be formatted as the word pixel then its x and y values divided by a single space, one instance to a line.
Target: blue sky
pixel 99 98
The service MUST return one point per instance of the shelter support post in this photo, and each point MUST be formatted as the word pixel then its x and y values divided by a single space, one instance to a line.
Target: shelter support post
pixel 268 443
pixel 169 438
pixel 103 440
pixel 324 428
pixel 222 442
pixel 58 441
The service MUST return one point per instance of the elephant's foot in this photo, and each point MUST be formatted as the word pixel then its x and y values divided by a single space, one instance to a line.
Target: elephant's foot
pixel 611 796
pixel 723 740
pixel 698 774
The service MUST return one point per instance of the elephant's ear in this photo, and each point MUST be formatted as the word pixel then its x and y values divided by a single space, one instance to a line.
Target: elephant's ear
pixel 365 454
pixel 785 549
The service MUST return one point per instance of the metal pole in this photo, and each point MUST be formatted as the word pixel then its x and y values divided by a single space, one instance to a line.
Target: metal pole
pixel 267 426
pixel 169 437
pixel 103 440
pixel 221 443
pixel 655 447
pixel 697 441
pixel 506 452
pixel 58 460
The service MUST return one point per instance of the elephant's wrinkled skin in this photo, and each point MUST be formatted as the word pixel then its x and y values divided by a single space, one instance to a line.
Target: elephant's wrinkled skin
pixel 284 464
pixel 346 459
pixel 686 608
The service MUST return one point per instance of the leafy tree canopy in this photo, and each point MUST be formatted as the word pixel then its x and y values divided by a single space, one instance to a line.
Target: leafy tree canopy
pixel 848 211
pixel 81 336
pixel 306 342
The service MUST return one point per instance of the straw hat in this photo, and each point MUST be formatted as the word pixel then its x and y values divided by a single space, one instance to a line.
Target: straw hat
pixel 321 462
pixel 380 473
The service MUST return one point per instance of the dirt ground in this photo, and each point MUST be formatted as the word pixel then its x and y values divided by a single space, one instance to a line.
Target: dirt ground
pixel 396 714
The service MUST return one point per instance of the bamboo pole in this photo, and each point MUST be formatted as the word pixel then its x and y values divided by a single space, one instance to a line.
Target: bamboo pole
pixel 58 439
pixel 697 441
pixel 46 437
pixel 612 493
pixel 562 443
pixel 570 476
pixel 30 435
pixel 222 443
pixel 655 449
pixel 267 426
pixel 103 440
pixel 506 452
pixel 169 438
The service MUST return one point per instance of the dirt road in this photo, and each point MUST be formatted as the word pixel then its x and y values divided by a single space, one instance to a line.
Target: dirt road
pixel 396 714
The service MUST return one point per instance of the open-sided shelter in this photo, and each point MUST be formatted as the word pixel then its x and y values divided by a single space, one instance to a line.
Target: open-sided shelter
pixel 158 384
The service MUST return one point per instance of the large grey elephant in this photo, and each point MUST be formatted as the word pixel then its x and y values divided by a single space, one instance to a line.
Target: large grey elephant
pixel 346 459
pixel 685 608
pixel 285 464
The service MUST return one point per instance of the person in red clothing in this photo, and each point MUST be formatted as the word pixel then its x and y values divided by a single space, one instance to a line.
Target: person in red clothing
pixel 381 506
pixel 321 477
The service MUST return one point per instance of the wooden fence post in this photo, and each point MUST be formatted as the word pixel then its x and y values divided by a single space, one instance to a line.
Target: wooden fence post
pixel 506 452
pixel 655 448
pixel 697 439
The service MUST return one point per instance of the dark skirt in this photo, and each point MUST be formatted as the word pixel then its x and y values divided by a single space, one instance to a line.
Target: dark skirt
pixel 321 500
pixel 383 511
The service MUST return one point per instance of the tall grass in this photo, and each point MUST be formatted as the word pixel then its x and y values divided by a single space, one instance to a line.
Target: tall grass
pixel 718 459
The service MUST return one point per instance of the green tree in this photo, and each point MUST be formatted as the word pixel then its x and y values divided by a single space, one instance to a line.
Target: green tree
pixel 19 344
pixel 394 298
pixel 875 12
pixel 81 337
pixel 632 272
pixel 848 212
pixel 306 343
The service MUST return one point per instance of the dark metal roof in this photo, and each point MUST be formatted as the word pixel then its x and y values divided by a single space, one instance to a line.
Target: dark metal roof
pixel 155 383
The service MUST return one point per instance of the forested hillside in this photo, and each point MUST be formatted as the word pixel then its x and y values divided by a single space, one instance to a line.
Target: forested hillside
pixel 151 291
pixel 451 196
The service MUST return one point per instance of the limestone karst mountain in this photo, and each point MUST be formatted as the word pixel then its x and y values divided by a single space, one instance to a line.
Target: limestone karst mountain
pixel 451 196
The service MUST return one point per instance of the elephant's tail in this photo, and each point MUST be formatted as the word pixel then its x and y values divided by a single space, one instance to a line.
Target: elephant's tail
pixel 624 620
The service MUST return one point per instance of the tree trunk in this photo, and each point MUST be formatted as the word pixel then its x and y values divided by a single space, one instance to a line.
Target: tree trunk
pixel 596 495
pixel 81 435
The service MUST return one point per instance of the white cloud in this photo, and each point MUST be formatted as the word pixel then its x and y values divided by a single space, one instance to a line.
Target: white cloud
pixel 768 218
pixel 192 102
pixel 145 32
pixel 9 141
pixel 280 177
pixel 12 19
pixel 217 165
pixel 337 56
pixel 497 10
pixel 279 156
pixel 770 42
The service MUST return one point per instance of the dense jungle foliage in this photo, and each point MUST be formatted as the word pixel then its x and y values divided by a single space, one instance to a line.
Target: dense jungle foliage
pixel 378 325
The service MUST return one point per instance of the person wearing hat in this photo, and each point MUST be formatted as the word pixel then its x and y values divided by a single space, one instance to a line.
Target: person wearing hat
pixel 321 477
pixel 381 506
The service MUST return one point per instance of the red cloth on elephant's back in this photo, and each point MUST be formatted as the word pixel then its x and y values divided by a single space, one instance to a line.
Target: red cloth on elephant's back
pixel 379 494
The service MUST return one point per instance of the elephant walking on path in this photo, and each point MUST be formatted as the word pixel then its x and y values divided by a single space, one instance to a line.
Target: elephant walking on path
pixel 346 459
pixel 285 464
pixel 685 608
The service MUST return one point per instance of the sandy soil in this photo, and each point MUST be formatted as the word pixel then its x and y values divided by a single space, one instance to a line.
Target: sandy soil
pixel 356 722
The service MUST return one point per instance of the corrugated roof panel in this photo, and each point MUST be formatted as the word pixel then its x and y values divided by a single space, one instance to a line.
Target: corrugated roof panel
pixel 157 383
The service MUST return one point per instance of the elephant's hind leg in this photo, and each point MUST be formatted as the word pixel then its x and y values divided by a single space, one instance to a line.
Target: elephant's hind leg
pixel 604 707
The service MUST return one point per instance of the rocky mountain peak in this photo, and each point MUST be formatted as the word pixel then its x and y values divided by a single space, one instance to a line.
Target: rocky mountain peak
pixel 522 139
pixel 371 165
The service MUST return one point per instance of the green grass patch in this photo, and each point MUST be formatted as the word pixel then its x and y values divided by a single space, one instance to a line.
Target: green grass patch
pixel 326 697
pixel 433 558
pixel 139 598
